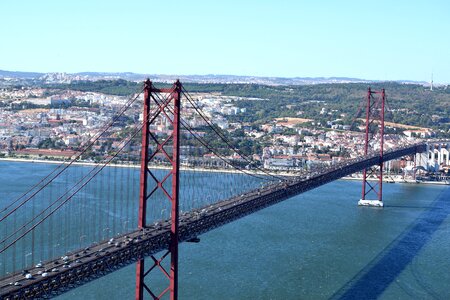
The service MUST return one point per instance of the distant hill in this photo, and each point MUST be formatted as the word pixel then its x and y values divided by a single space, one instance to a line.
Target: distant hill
pixel 210 78
pixel 18 74
pixel 213 78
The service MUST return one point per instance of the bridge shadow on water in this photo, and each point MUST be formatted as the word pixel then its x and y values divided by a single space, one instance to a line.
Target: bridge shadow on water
pixel 373 280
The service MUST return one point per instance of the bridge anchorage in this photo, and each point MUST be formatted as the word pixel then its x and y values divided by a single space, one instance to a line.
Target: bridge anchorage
pixel 375 107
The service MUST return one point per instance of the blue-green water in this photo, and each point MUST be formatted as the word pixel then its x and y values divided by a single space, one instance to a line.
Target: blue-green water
pixel 318 245
pixel 104 208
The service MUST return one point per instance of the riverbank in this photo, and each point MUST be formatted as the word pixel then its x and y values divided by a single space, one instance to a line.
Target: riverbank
pixel 399 180
pixel 215 170
pixel 137 166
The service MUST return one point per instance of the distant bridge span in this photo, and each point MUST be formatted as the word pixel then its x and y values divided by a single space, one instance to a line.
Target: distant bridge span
pixel 106 257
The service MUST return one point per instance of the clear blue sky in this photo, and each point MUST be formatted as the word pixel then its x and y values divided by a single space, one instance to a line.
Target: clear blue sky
pixel 383 40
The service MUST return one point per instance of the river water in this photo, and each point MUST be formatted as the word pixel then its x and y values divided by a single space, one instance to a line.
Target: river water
pixel 318 245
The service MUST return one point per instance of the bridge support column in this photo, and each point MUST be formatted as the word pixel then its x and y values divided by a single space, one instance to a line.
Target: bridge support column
pixel 447 146
pixel 439 156
pixel 167 110
pixel 374 118
pixel 431 160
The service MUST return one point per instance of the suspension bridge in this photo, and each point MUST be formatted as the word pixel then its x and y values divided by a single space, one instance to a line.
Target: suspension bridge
pixel 75 224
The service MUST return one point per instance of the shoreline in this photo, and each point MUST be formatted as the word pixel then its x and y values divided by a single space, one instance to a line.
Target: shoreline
pixel 184 168
pixel 136 166
pixel 399 180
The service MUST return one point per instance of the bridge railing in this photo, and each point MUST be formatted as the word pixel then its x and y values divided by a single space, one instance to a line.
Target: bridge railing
pixel 387 155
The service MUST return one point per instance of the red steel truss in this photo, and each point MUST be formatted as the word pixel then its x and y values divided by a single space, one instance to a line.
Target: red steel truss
pixel 165 104
pixel 374 119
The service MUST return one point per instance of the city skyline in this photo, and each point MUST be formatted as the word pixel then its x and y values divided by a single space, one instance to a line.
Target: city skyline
pixel 386 41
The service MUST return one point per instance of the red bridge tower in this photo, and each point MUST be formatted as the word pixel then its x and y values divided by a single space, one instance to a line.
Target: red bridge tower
pixel 165 108
pixel 374 119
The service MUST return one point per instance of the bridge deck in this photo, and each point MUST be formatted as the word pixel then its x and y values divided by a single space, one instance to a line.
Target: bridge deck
pixel 81 266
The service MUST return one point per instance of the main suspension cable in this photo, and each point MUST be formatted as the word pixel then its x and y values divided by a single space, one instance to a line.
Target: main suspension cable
pixel 90 144
pixel 83 184
pixel 224 138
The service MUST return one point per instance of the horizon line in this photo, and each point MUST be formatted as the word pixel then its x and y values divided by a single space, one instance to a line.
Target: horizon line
pixel 231 75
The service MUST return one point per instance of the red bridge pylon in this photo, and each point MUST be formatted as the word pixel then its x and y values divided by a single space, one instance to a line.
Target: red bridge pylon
pixel 165 150
pixel 374 138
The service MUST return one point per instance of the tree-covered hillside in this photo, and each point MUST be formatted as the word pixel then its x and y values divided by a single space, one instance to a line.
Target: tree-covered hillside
pixel 409 104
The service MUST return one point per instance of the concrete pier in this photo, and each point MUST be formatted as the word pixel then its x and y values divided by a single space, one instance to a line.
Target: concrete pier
pixel 372 203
